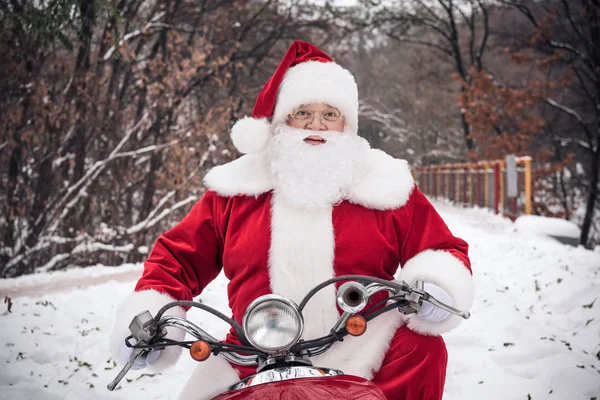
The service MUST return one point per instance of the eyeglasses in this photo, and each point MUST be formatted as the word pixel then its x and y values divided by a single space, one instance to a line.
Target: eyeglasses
pixel 304 115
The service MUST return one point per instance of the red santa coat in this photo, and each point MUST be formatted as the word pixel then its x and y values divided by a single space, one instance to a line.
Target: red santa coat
pixel 386 229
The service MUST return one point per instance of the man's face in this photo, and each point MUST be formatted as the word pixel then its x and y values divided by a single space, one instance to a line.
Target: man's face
pixel 316 117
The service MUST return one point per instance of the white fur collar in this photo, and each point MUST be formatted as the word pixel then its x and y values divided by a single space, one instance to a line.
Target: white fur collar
pixel 385 184
pixel 248 175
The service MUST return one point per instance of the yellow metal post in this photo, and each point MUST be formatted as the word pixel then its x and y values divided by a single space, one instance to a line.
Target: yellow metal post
pixel 527 161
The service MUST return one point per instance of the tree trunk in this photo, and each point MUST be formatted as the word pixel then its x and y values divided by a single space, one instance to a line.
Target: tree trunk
pixel 79 143
pixel 564 194
pixel 592 196
pixel 466 128
pixel 42 194
pixel 82 67
pixel 593 15
pixel 13 197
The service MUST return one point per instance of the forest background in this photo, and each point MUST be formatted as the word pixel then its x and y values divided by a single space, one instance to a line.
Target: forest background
pixel 111 112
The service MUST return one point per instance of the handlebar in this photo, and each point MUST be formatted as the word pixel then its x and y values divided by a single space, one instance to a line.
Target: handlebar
pixel 149 332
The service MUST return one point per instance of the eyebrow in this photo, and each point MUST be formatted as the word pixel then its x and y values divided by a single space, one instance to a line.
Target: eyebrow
pixel 328 105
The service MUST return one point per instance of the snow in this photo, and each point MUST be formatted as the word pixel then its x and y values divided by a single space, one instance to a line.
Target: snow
pixel 548 226
pixel 534 331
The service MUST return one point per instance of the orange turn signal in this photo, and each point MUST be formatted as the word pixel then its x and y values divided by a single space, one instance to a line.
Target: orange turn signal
pixel 356 325
pixel 200 350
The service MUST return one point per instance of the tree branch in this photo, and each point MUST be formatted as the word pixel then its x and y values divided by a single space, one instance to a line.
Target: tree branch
pixel 486 32
pixel 151 222
pixel 423 43
pixel 433 14
pixel 132 35
pixel 573 114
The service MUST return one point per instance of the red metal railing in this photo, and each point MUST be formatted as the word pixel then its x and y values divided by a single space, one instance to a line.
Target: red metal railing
pixel 480 184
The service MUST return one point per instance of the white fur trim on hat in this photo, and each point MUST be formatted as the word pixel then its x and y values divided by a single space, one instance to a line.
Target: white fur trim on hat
pixel 251 135
pixel 152 301
pixel 440 267
pixel 318 82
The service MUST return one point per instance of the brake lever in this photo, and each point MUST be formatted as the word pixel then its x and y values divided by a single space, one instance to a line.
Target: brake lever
pixel 451 310
pixel 134 355
pixel 143 328
pixel 417 295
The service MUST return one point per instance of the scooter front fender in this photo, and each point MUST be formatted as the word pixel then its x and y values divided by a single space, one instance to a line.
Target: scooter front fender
pixel 343 387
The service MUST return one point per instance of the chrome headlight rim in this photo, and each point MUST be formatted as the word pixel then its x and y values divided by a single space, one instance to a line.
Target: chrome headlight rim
pixel 277 298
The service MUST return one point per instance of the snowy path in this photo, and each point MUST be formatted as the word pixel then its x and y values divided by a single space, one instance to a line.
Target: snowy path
pixel 534 333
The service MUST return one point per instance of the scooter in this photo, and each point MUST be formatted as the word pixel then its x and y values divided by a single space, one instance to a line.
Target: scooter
pixel 271 334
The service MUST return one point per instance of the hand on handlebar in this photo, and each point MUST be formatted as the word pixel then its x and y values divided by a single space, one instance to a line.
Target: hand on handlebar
pixel 142 361
pixel 428 311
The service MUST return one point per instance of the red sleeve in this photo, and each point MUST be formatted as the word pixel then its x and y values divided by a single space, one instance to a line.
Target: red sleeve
pixel 427 231
pixel 188 257
pixel 430 253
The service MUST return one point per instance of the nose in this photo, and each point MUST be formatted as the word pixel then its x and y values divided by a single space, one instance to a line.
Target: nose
pixel 316 124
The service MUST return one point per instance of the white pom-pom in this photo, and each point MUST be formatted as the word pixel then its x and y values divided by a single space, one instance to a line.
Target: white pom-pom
pixel 250 135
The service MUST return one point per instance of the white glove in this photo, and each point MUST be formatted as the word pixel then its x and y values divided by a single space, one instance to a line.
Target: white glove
pixel 140 362
pixel 428 311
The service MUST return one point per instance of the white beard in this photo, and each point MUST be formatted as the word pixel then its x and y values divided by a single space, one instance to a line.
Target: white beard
pixel 308 176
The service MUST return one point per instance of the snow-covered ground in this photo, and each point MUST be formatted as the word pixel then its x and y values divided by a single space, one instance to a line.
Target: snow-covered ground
pixel 534 331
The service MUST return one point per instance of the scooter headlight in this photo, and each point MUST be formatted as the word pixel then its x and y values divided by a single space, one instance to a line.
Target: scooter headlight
pixel 273 323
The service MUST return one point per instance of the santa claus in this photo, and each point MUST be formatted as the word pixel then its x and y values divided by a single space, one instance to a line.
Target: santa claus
pixel 308 201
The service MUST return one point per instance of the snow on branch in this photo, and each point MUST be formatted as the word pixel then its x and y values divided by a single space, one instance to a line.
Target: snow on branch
pixel 90 247
pixel 53 262
pixel 566 141
pixel 144 150
pixel 42 245
pixel 391 121
pixel 370 111
pixel 132 35
pixel 127 136
pixel 569 48
pixel 143 224
pixel 100 164
pixel 6 251
pixel 150 223
pixel 570 112
pixel 441 153
pixel 94 171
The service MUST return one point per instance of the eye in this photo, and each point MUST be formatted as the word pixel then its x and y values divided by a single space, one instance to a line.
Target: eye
pixel 302 115
pixel 332 115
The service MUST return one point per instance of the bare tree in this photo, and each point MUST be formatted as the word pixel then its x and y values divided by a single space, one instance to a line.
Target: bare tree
pixel 113 112
pixel 566 33
pixel 457 29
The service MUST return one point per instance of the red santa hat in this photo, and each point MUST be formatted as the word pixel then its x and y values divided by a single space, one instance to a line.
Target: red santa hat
pixel 305 75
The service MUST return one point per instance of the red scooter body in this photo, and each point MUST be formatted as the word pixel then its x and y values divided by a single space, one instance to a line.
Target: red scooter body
pixel 343 387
